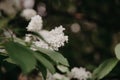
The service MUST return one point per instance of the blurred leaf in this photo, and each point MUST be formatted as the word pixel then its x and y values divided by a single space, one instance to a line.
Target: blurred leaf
pixel 56 3
pixel 2 56
pixel 3 22
pixel 8 66
pixel 63 68
pixel 105 68
pixel 117 51
pixel 9 60
pixel 19 41
pixel 22 56
pixel 55 56
pixel 45 62
pixel 43 70
pixel 60 5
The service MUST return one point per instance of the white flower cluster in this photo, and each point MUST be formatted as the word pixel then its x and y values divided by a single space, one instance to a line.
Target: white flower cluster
pixel 56 76
pixel 35 24
pixel 76 73
pixel 28 4
pixel 80 73
pixel 54 38
pixel 28 13
pixel 2 51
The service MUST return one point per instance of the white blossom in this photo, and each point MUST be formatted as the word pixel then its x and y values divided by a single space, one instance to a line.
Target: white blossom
pixel 44 33
pixel 37 42
pixel 51 39
pixel 28 13
pixel 2 50
pixel 28 3
pixel 35 24
pixel 80 73
pixel 41 9
pixel 55 37
pixel 76 73
pixel 56 76
pixel 75 27
pixel 28 38
pixel 41 44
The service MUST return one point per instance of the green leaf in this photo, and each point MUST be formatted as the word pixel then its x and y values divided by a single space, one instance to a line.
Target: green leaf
pixel 21 55
pixel 105 68
pixel 63 68
pixel 19 41
pixel 45 62
pixel 8 66
pixel 117 51
pixel 9 60
pixel 43 70
pixel 55 56
pixel 2 56
pixel 3 22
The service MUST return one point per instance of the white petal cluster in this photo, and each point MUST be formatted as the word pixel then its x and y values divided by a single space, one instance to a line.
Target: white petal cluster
pixel 28 13
pixel 35 24
pixel 28 38
pixel 80 73
pixel 56 76
pixel 41 44
pixel 28 3
pixel 75 73
pixel 52 39
pixel 55 37
pixel 2 50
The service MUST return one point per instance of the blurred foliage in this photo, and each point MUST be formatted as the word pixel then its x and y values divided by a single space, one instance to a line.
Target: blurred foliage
pixel 99 28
